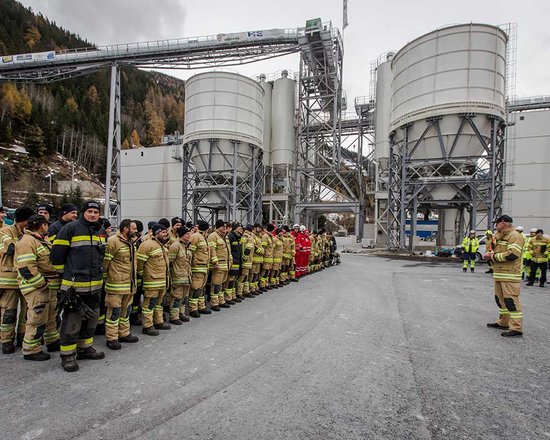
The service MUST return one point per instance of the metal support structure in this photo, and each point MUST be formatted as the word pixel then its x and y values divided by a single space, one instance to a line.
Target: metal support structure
pixel 279 186
pixel 477 180
pixel 112 174
pixel 233 193
pixel 323 175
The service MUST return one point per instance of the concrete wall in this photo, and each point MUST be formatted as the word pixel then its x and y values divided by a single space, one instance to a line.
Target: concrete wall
pixel 151 183
pixel 527 190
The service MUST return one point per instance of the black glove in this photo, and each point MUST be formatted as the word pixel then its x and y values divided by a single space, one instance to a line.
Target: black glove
pixel 11 249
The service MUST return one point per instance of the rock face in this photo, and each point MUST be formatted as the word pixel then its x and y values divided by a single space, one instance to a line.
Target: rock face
pixel 88 189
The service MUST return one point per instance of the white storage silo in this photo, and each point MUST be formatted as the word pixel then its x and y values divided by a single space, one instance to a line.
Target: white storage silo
pixel 224 135
pixel 225 107
pixel 283 137
pixel 268 88
pixel 445 73
pixel 383 113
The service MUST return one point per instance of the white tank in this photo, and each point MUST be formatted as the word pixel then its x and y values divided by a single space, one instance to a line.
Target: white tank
pixel 454 70
pixel 383 113
pixel 225 107
pixel 283 138
pixel 268 88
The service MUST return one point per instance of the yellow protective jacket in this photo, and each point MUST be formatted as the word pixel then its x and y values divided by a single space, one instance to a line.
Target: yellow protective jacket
pixel 470 245
pixel 538 249
pixel 288 244
pixel 153 264
pixel 507 263
pixel 180 263
pixel 9 236
pixel 120 265
pixel 247 247
pixel 200 252
pixel 526 254
pixel 258 249
pixel 32 260
pixel 277 250
pixel 267 245
pixel 219 251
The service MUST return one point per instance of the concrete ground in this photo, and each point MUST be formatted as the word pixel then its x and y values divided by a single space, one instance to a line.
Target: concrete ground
pixel 372 349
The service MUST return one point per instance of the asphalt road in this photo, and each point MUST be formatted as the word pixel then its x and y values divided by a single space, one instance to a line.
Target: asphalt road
pixel 372 349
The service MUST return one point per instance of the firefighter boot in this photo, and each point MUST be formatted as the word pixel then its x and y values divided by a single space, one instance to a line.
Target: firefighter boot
pixel 202 307
pixel 129 339
pixel 8 348
pixel 40 356
pixel 89 353
pixel 114 345
pixel 150 331
pixel 69 363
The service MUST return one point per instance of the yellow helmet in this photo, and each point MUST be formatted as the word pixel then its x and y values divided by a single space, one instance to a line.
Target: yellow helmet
pixel 488 232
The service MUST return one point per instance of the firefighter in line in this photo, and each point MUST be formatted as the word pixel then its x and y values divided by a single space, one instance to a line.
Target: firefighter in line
pixel 200 258
pixel 10 295
pixel 2 216
pixel 277 258
pixel 257 260
pixel 470 244
pixel 39 283
pixel 219 266
pixel 136 301
pixel 506 259
pixel 267 264
pixel 120 269
pixel 539 247
pixel 180 272
pixel 67 214
pixel 77 254
pixel 247 256
pixel 234 239
pixel 153 266
pixel 46 210
pixel 177 223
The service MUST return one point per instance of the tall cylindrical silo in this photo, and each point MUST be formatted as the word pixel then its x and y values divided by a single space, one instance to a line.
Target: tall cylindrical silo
pixel 224 107
pixel 268 88
pixel 443 74
pixel 283 138
pixel 383 113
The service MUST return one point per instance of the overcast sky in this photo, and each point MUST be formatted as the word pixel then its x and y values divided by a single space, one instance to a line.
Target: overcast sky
pixel 374 27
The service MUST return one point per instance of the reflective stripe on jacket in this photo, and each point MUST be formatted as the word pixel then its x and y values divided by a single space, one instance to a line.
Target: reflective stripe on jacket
pixel 120 265
pixel 9 235
pixel 507 263
pixel 32 260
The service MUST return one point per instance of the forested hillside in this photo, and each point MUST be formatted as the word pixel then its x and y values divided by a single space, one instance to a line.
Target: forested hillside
pixel 71 116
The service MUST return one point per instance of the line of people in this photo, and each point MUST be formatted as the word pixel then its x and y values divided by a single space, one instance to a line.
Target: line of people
pixel 73 279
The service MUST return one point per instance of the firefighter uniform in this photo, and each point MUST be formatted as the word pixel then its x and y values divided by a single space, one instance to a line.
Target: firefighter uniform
pixel 153 266
pixel 277 261
pixel 77 253
pixel 257 261
pixel 120 268
pixel 538 250
pixel 247 248
pixel 267 264
pixel 527 255
pixel 199 272
pixel 507 278
pixel 180 271
pixel 219 268
pixel 470 245
pixel 230 289
pixel 39 283
pixel 9 287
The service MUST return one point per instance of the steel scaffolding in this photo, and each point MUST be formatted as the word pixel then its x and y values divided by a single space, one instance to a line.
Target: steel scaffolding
pixel 477 180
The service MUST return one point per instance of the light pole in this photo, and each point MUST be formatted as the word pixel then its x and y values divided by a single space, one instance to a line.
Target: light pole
pixel 50 176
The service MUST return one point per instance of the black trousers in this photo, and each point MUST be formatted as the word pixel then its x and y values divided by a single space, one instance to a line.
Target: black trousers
pixel 534 266
pixel 77 331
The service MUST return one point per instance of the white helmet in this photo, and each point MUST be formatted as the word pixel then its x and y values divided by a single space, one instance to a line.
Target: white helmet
pixel 296 226
pixel 519 228
pixel 472 232
pixel 302 228
pixel 533 230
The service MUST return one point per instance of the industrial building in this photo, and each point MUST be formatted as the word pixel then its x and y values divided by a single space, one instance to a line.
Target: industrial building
pixel 441 139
